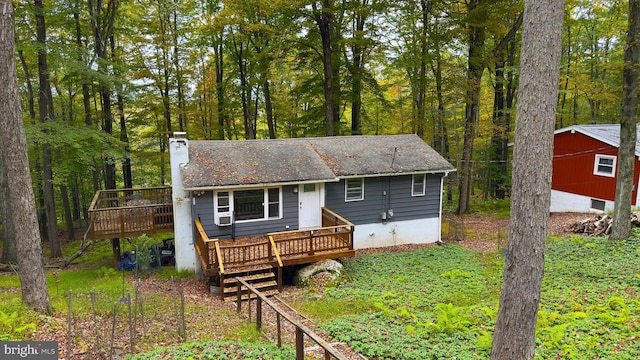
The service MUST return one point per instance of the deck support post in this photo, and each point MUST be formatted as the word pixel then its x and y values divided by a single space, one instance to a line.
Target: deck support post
pixel 278 329
pixel 258 313
pixel 279 279
pixel 238 299
pixel 299 344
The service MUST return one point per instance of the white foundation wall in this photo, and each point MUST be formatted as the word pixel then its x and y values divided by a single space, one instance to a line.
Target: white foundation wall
pixel 183 226
pixel 421 231
pixel 567 202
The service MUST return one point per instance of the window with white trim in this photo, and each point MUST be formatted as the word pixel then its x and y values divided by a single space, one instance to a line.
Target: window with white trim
pixel 273 197
pixel 605 165
pixel 250 204
pixel 354 189
pixel 418 183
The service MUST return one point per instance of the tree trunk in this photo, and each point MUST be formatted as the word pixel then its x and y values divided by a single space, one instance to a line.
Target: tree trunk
pixel 240 53
pixel 45 109
pixel 127 173
pixel 626 151
pixel 325 19
pixel 514 336
pixel 14 152
pixel 500 133
pixel 182 108
pixel 68 218
pixel 9 252
pixel 219 60
pixel 358 50
pixel 75 199
pixel 268 109
pixel 474 78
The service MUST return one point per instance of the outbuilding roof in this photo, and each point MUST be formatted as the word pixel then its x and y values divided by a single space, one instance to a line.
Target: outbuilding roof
pixel 226 163
pixel 607 133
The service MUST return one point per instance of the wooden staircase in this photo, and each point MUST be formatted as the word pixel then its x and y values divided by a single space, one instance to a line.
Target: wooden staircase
pixel 259 276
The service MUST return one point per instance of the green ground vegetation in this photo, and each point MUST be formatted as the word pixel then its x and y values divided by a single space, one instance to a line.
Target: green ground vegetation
pixel 438 303
pixel 441 303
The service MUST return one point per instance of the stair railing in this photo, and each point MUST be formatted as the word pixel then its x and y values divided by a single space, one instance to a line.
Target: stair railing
pixel 275 251
pixel 301 329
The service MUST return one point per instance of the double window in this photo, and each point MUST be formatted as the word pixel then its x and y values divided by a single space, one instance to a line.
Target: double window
pixel 605 165
pixel 251 204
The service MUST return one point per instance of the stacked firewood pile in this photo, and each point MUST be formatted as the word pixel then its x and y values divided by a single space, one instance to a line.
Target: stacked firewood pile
pixel 599 225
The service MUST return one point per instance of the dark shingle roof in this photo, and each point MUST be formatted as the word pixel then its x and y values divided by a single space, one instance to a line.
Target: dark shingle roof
pixel 371 155
pixel 219 163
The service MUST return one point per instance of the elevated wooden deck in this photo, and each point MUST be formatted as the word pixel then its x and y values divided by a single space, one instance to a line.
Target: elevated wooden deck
pixel 131 212
pixel 219 258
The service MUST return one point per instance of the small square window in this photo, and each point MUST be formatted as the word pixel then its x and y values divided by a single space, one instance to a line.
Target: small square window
pixel 605 165
pixel 418 184
pixel 354 189
pixel 597 204
pixel 309 187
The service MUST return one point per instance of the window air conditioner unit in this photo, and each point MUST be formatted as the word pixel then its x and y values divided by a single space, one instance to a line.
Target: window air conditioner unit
pixel 223 219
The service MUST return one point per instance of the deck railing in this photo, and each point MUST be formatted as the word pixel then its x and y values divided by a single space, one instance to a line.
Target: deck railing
pixel 336 235
pixel 206 249
pixel 131 197
pixel 131 212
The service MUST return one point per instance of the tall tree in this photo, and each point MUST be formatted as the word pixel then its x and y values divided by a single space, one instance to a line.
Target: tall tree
pixel 328 18
pixel 360 45
pixel 46 113
pixel 475 68
pixel 515 331
pixel 628 133
pixel 9 253
pixel 102 17
pixel 14 155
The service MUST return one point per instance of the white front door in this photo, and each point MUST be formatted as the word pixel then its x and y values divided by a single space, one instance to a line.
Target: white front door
pixel 310 206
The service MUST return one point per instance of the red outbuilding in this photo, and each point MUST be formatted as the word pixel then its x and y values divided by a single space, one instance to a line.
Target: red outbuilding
pixel 584 169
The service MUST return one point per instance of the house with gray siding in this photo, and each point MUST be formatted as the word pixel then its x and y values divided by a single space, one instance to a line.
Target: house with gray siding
pixel 389 187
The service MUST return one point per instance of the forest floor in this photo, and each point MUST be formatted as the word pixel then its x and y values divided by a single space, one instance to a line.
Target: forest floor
pixel 213 318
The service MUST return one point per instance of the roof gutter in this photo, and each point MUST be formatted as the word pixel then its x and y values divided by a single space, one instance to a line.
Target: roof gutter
pixel 261 185
pixel 445 172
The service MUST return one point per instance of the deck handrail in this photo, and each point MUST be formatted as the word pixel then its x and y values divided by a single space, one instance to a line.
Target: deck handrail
pixel 275 250
pixel 309 229
pixel 219 255
pixel 157 195
pixel 337 217
pixel 202 243
pixel 301 329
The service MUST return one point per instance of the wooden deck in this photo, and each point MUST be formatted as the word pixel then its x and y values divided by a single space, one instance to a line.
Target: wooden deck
pixel 131 212
pixel 331 241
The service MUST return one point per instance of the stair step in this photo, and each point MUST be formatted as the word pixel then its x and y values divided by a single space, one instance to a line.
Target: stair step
pixel 253 296
pixel 250 278
pixel 259 286
pixel 246 269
